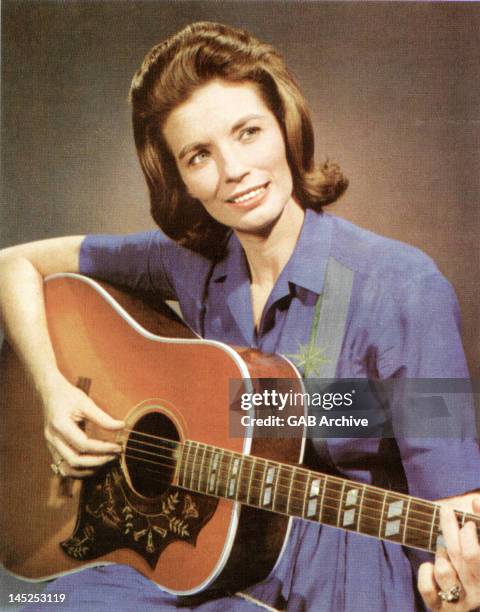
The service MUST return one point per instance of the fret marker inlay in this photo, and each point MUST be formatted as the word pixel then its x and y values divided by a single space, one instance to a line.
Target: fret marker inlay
pixel 213 475
pixel 315 487
pixel 233 477
pixel 392 528
pixel 267 493
pixel 314 491
pixel 395 508
pixel 352 497
pixel 349 517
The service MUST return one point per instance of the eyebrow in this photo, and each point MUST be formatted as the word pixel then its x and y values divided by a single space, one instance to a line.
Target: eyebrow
pixel 194 146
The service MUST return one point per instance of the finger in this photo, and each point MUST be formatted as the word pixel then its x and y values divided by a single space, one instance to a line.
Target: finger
pixel 444 572
pixel 78 440
pixel 78 460
pixel 98 416
pixel 470 549
pixel 450 531
pixel 476 504
pixel 68 472
pixel 428 587
pixel 64 469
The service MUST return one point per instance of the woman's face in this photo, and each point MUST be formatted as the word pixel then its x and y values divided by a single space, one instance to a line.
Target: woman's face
pixel 230 153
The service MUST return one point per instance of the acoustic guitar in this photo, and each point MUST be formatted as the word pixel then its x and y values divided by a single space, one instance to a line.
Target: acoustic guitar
pixel 187 502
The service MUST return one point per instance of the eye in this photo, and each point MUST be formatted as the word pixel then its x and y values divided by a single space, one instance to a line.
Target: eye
pixel 198 158
pixel 249 132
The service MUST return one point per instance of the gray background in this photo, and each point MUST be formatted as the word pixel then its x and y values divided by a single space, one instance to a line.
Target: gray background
pixel 393 88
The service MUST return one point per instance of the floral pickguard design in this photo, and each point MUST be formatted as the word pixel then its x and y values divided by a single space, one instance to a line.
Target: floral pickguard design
pixel 112 516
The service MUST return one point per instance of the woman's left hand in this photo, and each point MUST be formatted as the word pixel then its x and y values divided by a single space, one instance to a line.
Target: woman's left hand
pixel 456 568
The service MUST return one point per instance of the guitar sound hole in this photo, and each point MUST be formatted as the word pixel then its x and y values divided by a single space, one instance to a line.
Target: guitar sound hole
pixel 150 454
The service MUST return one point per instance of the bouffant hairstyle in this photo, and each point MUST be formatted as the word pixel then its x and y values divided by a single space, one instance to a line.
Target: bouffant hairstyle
pixel 169 74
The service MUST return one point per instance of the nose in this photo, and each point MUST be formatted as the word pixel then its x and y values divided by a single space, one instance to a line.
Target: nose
pixel 233 166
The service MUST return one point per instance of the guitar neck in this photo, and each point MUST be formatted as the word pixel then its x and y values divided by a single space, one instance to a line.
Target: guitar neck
pixel 299 492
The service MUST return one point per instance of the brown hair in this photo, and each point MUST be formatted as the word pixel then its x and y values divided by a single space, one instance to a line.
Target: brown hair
pixel 169 74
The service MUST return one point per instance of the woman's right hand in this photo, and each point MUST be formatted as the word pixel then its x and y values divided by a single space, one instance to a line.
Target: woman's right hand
pixel 67 409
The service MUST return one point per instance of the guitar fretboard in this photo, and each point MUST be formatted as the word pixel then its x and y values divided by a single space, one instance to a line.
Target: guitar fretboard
pixel 329 500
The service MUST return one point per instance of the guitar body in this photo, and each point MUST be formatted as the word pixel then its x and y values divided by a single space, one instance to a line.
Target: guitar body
pixel 144 366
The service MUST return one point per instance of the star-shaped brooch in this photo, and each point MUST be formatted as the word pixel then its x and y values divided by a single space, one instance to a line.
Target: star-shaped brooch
pixel 310 358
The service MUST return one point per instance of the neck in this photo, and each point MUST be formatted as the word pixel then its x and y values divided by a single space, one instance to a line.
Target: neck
pixel 269 250
pixel 329 500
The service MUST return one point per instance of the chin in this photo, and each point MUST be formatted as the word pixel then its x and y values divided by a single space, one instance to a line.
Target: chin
pixel 261 226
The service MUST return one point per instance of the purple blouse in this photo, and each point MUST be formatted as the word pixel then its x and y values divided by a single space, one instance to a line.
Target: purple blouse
pixel 402 322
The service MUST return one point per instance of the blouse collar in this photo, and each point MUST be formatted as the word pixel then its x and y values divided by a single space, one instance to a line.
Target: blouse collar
pixel 305 268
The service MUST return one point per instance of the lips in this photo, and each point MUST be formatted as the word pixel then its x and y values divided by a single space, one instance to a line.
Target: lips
pixel 245 196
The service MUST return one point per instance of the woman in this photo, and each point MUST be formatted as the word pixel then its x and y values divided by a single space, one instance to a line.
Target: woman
pixel 226 145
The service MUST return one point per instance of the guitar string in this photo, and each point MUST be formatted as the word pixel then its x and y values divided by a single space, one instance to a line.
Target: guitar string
pixel 364 507
pixel 304 471
pixel 298 469
pixel 196 475
pixel 423 531
pixel 288 487
pixel 330 480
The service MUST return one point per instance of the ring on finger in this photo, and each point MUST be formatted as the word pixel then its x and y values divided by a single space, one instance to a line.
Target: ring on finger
pixel 55 467
pixel 451 595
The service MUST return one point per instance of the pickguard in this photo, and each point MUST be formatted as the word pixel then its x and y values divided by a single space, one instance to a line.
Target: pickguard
pixel 112 516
